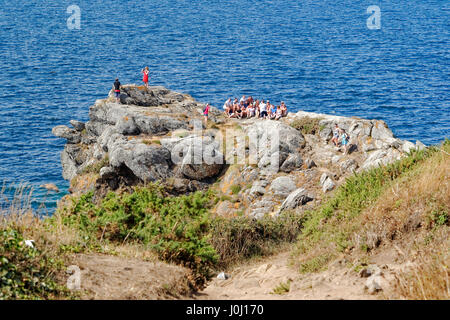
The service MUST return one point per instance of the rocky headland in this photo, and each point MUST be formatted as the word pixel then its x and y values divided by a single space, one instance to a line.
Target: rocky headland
pixel 157 134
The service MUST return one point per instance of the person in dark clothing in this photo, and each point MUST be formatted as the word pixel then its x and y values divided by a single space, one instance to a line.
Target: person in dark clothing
pixel 117 90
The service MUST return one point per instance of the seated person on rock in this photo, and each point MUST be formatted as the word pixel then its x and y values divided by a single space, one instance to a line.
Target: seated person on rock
pixel 283 109
pixel 278 113
pixel 272 111
pixel 251 111
pixel 226 105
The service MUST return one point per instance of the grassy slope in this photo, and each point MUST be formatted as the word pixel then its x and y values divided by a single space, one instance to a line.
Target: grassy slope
pixel 407 199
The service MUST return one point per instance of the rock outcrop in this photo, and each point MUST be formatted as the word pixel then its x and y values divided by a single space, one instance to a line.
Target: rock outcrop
pixel 263 167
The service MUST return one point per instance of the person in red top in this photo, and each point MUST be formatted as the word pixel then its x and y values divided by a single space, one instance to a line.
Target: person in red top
pixel 146 72
pixel 205 113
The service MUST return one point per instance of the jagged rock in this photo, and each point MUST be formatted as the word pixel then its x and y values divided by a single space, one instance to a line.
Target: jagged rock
pixel 282 186
pixel 420 145
pixel 297 198
pixel 408 146
pixel 225 208
pixel 107 172
pixel 201 158
pixel 335 159
pixel 380 131
pixel 150 136
pixel 309 163
pixel 78 125
pixel 258 189
pixel 323 177
pixel 223 276
pixel 380 157
pixel 326 182
pixel 371 270
pixel 328 185
pixel 262 134
pixel 148 163
pixel 88 139
pixel 373 284
pixel 293 161
pixel 326 133
pixel 272 161
pixel 159 124
pixel 349 165
pixel 197 124
pixel 71 135
pixel 259 209
pixel 127 126
pixel 68 165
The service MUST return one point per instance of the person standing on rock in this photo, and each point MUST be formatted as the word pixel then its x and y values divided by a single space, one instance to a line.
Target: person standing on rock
pixel 117 90
pixel 345 141
pixel 205 113
pixel 335 138
pixel 145 72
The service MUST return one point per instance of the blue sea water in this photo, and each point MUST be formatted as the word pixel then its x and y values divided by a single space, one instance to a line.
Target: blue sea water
pixel 315 55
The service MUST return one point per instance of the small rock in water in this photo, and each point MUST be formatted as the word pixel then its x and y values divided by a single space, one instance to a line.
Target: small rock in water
pixel 50 187
pixel 223 276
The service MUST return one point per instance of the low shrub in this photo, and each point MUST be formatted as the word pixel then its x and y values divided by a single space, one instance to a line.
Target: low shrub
pixel 241 238
pixel 95 168
pixel 26 272
pixel 307 125
pixel 175 227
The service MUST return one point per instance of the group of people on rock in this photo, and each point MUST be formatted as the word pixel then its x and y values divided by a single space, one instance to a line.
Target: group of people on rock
pixel 248 107
pixel 145 72
pixel 340 138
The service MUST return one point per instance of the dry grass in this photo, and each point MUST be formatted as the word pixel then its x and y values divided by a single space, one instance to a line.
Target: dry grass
pixel 420 199
pixel 418 207
pixel 407 207
pixel 428 278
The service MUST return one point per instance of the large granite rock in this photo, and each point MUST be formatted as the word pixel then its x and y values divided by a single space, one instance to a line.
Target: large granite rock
pixel 296 198
pixel 283 186
pixel 158 134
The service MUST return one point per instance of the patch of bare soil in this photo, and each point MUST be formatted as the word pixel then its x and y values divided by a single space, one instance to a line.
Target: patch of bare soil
pixel 105 277
pixel 258 282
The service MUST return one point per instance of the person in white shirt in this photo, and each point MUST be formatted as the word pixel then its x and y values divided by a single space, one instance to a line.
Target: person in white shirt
pixel 263 109
pixel 227 104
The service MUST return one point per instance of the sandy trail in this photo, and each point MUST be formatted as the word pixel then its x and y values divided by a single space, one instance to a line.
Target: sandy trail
pixel 257 282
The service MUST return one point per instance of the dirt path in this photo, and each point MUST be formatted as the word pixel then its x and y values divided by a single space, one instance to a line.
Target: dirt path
pixel 112 277
pixel 257 281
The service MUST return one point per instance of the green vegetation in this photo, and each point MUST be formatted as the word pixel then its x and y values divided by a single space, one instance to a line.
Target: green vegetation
pixel 179 229
pixel 235 189
pixel 150 142
pixel 26 272
pixel 174 227
pixel 349 219
pixel 95 168
pixel 282 288
pixel 242 238
pixel 307 125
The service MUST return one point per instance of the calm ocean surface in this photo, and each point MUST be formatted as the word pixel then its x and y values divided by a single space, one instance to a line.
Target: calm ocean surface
pixel 315 55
